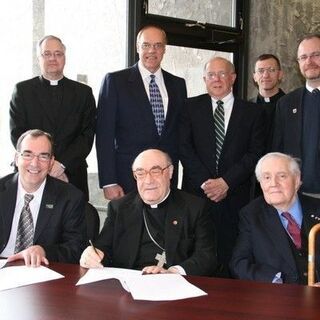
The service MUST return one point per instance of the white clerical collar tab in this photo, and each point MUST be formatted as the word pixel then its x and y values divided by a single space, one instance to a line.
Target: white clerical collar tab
pixel 54 82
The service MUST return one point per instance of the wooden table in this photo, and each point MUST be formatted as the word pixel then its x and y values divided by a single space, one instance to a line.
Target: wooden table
pixel 227 299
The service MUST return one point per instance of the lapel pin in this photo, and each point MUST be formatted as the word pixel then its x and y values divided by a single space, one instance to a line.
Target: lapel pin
pixel 174 222
pixel 49 206
pixel 294 110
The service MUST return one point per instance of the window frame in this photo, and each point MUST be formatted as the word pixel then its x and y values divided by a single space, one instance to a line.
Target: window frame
pixel 203 36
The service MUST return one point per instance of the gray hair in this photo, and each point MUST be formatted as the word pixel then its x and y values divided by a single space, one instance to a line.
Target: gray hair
pixel 228 62
pixel 34 133
pixel 49 37
pixel 293 163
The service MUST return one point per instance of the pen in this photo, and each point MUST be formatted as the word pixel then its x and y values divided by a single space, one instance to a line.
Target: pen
pixel 93 247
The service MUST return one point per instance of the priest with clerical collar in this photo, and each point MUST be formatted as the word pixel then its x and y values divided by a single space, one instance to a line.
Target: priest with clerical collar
pixel 156 229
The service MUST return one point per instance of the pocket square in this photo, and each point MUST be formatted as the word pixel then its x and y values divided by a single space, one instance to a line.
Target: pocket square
pixel 49 206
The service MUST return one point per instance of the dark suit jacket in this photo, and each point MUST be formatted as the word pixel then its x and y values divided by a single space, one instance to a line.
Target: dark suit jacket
pixel 263 247
pixel 60 227
pixel 72 127
pixel 288 126
pixel 243 146
pixel 190 243
pixel 126 126
pixel 269 112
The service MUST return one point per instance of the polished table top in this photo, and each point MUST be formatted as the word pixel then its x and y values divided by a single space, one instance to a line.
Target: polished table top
pixel 227 299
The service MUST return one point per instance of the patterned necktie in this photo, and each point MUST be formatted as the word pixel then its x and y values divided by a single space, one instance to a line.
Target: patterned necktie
pixel 25 227
pixel 315 91
pixel 156 103
pixel 293 229
pixel 219 130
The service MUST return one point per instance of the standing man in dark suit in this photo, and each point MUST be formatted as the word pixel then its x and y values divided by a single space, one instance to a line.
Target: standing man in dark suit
pixel 127 122
pixel 63 107
pixel 158 229
pixel 273 240
pixel 219 157
pixel 297 119
pixel 267 77
pixel 41 218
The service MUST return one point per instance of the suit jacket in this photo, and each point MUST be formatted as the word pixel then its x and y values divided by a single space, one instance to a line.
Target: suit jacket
pixel 60 227
pixel 288 126
pixel 126 126
pixel 72 127
pixel 243 145
pixel 263 247
pixel 189 243
pixel 269 112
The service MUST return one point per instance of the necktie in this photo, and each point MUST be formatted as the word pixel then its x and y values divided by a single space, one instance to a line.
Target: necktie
pixel 293 229
pixel 316 91
pixel 219 129
pixel 25 227
pixel 156 104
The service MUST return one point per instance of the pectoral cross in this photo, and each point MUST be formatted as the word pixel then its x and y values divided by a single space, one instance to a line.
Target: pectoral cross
pixel 161 259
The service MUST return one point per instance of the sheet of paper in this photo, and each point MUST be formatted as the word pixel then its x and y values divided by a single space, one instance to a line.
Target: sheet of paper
pixel 13 277
pixel 162 287
pixel 94 275
pixel 159 287
pixel 3 263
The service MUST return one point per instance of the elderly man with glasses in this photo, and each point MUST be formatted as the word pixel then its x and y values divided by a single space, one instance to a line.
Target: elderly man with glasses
pixel 42 218
pixel 157 229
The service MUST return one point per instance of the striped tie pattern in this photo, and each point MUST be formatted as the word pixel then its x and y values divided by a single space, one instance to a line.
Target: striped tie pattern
pixel 156 104
pixel 25 226
pixel 293 229
pixel 219 130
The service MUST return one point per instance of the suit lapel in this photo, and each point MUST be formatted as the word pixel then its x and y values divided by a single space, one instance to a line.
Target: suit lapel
pixel 8 198
pixel 206 124
pixel 234 125
pixel 138 91
pixel 278 235
pixel 47 208
pixel 295 119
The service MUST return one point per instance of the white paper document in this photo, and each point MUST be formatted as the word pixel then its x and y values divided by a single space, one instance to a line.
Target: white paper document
pixel 13 277
pixel 3 263
pixel 162 287
pixel 156 287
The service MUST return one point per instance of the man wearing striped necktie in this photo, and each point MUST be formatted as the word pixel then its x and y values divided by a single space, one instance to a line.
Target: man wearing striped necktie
pixel 221 139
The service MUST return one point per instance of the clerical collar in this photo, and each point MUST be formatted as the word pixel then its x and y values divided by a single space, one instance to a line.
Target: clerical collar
pixel 153 206
pixel 51 82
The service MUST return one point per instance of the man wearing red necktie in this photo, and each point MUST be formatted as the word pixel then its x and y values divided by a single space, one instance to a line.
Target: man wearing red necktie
pixel 273 229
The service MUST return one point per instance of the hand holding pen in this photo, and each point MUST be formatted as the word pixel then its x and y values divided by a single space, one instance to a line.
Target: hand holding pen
pixel 91 257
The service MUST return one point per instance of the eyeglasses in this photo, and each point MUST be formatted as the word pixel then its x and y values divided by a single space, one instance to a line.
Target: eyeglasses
pixel 57 55
pixel 154 172
pixel 220 74
pixel 156 46
pixel 313 55
pixel 261 71
pixel 42 157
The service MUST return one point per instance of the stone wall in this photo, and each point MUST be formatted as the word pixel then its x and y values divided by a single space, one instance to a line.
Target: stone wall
pixel 275 27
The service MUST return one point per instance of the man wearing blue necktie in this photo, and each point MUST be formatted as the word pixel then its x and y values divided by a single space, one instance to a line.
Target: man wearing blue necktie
pixel 139 108
pixel 273 230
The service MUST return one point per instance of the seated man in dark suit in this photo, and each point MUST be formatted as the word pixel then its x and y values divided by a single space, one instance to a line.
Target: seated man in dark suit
pixel 272 244
pixel 157 229
pixel 41 218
